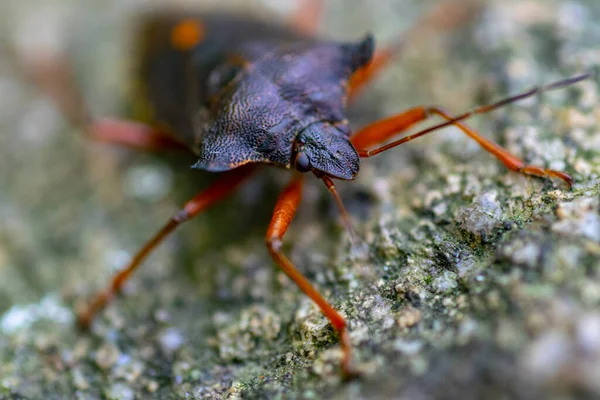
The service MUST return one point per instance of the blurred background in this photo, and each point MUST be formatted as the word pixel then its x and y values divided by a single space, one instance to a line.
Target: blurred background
pixel 208 312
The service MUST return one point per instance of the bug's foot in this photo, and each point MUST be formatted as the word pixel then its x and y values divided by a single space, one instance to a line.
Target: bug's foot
pixel 348 372
pixel 85 315
pixel 84 321
pixel 547 173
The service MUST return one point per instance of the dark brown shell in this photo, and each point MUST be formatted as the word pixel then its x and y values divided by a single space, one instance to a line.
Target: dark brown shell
pixel 245 93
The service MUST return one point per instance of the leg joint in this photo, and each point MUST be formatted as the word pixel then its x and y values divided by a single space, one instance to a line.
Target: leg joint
pixel 274 243
pixel 433 110
pixel 181 216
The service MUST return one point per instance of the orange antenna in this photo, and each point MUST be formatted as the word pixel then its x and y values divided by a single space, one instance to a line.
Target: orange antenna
pixel 480 110
pixel 345 216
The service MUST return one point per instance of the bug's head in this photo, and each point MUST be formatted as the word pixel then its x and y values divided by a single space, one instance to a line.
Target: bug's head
pixel 324 149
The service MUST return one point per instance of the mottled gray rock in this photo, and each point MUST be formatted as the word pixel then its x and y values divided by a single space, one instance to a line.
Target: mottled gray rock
pixel 471 281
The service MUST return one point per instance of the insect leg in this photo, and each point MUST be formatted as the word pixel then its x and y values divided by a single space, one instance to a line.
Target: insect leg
pixel 307 17
pixel 363 76
pixel 136 135
pixel 192 208
pixel 53 75
pixel 282 216
pixel 383 130
pixel 444 17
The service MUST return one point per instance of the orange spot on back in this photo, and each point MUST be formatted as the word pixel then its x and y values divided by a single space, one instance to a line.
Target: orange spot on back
pixel 187 34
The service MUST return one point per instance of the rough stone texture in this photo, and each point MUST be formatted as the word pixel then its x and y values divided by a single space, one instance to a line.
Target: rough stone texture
pixel 472 282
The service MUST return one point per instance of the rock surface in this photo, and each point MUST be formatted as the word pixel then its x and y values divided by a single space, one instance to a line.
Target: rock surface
pixel 471 282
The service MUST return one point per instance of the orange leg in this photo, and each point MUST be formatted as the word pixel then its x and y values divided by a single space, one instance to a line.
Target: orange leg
pixel 445 17
pixel 282 216
pixel 382 130
pixel 363 76
pixel 54 76
pixel 305 20
pixel 199 203
pixel 136 135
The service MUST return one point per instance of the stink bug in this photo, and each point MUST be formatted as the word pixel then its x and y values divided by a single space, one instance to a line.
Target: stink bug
pixel 237 92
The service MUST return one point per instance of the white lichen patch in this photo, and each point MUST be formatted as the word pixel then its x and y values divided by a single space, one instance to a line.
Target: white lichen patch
pixel 579 217
pixel 171 339
pixel 445 282
pixel 408 317
pixel 20 317
pixel 482 216
pixel 313 326
pixel 248 335
pixel 150 183
pixel 107 355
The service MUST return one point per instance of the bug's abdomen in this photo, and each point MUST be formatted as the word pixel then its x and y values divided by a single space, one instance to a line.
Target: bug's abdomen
pixel 179 51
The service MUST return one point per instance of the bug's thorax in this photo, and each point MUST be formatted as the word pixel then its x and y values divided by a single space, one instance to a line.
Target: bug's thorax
pixel 283 104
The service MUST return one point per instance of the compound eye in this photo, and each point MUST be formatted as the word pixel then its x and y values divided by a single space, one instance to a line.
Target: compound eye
pixel 302 163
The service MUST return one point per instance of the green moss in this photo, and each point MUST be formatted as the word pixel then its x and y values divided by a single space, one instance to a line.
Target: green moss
pixel 468 281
